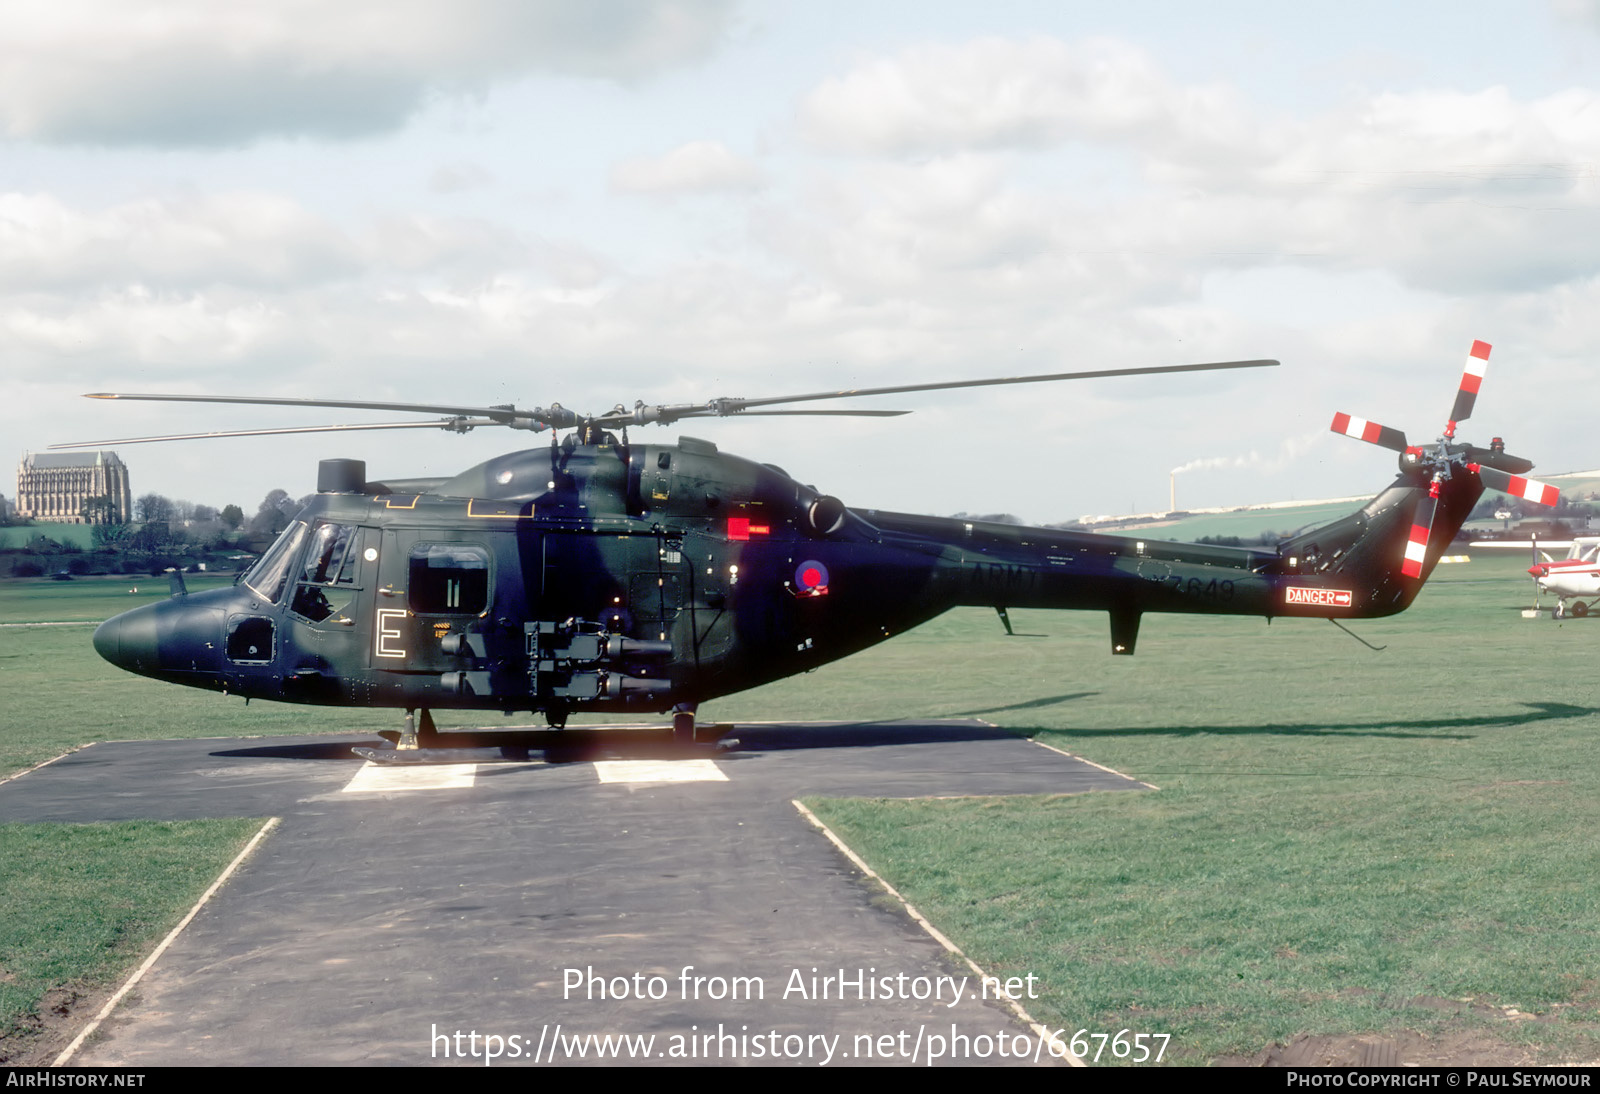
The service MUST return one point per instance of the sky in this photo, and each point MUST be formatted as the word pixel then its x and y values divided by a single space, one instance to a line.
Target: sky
pixel 528 201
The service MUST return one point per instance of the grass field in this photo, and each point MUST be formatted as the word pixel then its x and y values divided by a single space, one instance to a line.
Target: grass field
pixel 81 904
pixel 79 535
pixel 1247 524
pixel 1344 841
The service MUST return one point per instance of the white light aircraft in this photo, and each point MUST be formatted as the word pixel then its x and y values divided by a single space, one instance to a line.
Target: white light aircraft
pixel 1575 578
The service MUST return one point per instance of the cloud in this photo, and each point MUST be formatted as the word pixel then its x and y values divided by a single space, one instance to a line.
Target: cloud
pixel 458 178
pixel 249 239
pixel 1004 93
pixel 1455 191
pixel 197 73
pixel 696 167
pixel 1582 12
pixel 947 243
pixel 119 330
pixel 252 242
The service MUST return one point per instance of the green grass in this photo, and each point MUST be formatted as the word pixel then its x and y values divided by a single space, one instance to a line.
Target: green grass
pixel 89 599
pixel 81 904
pixel 80 535
pixel 1250 523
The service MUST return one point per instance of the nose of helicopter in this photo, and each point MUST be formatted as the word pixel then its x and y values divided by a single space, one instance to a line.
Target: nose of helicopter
pixel 130 640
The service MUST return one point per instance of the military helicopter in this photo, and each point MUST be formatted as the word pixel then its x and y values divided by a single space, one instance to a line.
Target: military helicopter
pixel 600 574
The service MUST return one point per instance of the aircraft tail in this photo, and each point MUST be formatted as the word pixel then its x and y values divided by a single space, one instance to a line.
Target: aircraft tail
pixel 1384 553
pixel 1375 561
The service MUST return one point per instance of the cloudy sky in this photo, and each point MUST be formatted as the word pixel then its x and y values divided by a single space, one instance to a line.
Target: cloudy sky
pixel 529 201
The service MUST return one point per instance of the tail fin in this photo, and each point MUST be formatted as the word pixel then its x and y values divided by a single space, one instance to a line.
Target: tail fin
pixel 1375 554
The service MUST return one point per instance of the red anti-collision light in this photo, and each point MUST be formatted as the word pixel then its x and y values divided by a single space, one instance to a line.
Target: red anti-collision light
pixel 740 528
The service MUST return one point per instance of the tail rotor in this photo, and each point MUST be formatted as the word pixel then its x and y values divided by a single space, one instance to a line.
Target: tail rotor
pixel 1438 462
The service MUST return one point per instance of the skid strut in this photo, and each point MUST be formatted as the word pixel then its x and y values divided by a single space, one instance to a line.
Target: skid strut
pixel 683 723
pixel 419 733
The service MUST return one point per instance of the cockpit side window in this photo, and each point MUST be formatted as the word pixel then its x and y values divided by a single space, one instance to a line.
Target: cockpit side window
pixel 268 576
pixel 332 555
pixel 329 572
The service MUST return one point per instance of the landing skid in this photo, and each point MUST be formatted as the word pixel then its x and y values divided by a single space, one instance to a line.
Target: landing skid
pixel 417 757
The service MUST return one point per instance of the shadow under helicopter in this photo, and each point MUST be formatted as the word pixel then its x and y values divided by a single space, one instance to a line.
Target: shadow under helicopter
pixel 580 745
pixel 577 744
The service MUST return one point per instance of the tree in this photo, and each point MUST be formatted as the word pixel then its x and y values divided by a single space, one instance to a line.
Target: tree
pixel 100 510
pixel 108 535
pixel 272 517
pixel 232 516
pixel 154 508
pixel 154 536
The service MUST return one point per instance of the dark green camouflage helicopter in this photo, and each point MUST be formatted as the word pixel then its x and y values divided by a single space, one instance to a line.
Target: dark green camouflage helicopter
pixel 599 574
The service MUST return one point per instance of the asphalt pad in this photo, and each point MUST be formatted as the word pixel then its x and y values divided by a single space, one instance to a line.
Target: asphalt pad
pixel 609 903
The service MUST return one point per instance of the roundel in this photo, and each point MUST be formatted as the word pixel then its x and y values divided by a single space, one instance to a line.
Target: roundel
pixel 810 576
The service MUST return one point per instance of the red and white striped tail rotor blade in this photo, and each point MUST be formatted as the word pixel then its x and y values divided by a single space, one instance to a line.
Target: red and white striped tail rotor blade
pixel 1515 485
pixel 1421 533
pixel 1371 432
pixel 1471 380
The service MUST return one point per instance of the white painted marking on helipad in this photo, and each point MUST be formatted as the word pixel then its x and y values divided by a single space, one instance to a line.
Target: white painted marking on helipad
pixel 172 935
pixel 1058 1050
pixel 384 778
pixel 1102 767
pixel 658 771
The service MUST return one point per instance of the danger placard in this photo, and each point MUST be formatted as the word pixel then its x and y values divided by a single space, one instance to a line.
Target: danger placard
pixel 1326 598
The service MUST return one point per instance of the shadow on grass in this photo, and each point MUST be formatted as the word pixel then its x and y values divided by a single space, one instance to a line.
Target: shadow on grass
pixel 1418 728
pixel 1031 704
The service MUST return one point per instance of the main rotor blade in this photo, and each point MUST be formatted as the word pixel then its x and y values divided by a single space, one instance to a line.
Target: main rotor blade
pixel 727 406
pixel 455 425
pixel 706 413
pixel 998 381
pixel 556 415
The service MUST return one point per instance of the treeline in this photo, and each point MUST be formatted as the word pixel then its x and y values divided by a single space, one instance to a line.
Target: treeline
pixel 1566 510
pixel 163 534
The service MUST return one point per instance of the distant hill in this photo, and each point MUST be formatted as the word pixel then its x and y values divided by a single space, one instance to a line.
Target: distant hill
pixel 1250 522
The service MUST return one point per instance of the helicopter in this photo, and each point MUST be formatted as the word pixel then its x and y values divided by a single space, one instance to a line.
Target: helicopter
pixel 601 574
